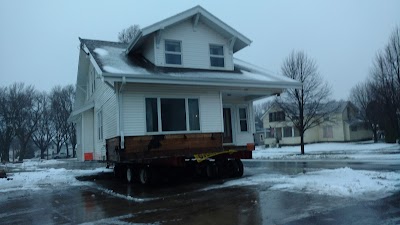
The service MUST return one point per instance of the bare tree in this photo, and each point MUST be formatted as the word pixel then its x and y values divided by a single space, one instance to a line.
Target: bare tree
pixel 6 125
pixel 305 107
pixel 363 98
pixel 25 114
pixel 43 136
pixel 61 106
pixel 127 35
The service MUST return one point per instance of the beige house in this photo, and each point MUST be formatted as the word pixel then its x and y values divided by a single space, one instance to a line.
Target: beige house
pixel 342 126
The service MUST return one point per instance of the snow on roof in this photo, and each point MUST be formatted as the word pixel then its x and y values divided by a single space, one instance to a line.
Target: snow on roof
pixel 113 62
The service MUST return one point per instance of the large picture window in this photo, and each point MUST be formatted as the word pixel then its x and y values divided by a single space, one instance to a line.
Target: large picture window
pixel 176 114
pixel 217 56
pixel 173 52
pixel 287 132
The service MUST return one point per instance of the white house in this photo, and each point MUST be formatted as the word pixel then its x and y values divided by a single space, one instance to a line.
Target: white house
pixel 342 126
pixel 178 76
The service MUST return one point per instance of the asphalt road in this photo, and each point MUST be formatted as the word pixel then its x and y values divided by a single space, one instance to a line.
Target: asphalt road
pixel 105 200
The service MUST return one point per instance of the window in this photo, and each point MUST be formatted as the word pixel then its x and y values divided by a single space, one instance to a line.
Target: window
pixel 353 128
pixel 217 56
pixel 194 122
pixel 151 115
pixel 172 114
pixel 100 125
pixel 270 133
pixel 287 132
pixel 243 119
pixel 277 116
pixel 173 53
pixel 327 132
pixel 296 132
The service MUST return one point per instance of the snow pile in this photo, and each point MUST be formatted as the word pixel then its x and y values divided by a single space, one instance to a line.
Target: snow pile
pixel 343 182
pixel 331 151
pixel 45 178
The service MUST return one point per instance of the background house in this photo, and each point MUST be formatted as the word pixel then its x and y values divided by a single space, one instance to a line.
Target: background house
pixel 343 125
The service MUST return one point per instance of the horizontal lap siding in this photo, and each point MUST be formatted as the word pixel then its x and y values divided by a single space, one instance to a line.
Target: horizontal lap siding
pixel 134 115
pixel 105 100
pixel 195 45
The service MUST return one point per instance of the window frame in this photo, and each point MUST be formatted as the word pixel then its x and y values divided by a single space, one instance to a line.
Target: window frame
pixel 246 119
pixel 173 53
pixel 285 129
pixel 217 56
pixel 159 116
pixel 100 127
pixel 325 133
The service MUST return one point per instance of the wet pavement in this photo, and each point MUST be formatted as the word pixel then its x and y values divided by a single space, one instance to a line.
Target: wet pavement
pixel 105 200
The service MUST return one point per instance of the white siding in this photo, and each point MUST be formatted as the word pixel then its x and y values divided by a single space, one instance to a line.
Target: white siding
pixel 195 45
pixel 133 109
pixel 105 100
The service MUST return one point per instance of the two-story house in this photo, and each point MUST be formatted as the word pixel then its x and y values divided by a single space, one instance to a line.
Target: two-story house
pixel 177 77
pixel 342 126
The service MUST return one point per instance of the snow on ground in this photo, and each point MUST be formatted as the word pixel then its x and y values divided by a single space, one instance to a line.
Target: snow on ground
pixel 342 182
pixel 360 151
pixel 29 176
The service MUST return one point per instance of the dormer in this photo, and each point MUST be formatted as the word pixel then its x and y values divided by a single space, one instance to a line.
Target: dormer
pixel 193 39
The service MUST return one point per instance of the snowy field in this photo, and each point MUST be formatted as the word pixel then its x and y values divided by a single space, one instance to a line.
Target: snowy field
pixel 351 151
pixel 30 175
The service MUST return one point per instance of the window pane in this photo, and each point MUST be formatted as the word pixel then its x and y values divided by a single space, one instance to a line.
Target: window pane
pixel 242 113
pixel 287 132
pixel 194 122
pixel 151 115
pixel 173 59
pixel 243 125
pixel 216 50
pixel 173 114
pixel 217 61
pixel 173 46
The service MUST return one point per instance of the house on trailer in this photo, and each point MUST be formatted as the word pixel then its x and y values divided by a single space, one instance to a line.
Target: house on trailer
pixel 343 126
pixel 177 80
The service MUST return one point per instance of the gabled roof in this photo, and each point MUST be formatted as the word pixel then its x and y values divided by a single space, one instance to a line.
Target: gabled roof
pixel 114 65
pixel 197 13
pixel 334 106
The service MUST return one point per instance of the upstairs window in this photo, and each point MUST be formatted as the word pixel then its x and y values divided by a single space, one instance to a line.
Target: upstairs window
pixel 173 52
pixel 217 56
pixel 277 116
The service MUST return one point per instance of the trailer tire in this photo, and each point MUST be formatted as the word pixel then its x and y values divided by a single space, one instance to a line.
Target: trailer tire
pixel 145 176
pixel 129 175
pixel 240 170
pixel 212 170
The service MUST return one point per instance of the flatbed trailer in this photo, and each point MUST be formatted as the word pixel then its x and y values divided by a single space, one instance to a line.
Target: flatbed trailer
pixel 150 158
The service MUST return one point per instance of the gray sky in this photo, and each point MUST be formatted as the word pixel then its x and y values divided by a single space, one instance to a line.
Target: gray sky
pixel 39 39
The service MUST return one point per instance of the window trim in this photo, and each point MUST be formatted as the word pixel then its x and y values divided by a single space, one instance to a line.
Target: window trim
pixel 217 56
pixel 160 131
pixel 246 119
pixel 173 53
pixel 100 125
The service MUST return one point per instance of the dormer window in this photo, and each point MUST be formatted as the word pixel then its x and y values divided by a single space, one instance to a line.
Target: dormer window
pixel 217 56
pixel 173 52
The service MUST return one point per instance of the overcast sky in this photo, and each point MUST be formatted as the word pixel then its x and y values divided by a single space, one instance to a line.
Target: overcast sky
pixel 39 39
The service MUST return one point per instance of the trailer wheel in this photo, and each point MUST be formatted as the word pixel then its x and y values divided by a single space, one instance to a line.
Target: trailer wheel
pixel 240 170
pixel 129 175
pixel 145 176
pixel 118 171
pixel 212 170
